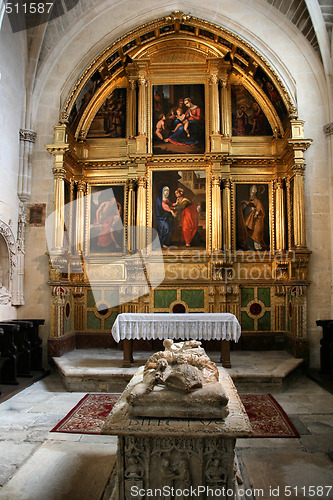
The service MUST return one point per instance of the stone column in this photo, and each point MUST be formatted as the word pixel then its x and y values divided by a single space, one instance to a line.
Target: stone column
pixel 216 214
pixel 226 210
pixel 27 139
pixel 299 206
pixel 79 216
pixel 131 216
pixel 131 108
pixel 280 239
pixel 18 296
pixel 141 213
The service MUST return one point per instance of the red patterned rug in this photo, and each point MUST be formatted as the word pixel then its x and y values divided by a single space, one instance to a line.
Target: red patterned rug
pixel 266 416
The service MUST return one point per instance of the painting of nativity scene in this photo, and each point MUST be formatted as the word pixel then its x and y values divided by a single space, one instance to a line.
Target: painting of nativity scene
pixel 178 119
pixel 179 208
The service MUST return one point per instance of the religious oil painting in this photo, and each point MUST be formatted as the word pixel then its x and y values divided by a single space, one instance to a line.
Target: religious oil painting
pixel 179 208
pixel 106 219
pixel 178 119
pixel 110 119
pixel 272 93
pixel 252 217
pixel 83 99
pixel 248 119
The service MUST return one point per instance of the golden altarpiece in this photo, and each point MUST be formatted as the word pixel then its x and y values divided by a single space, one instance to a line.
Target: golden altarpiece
pixel 180 104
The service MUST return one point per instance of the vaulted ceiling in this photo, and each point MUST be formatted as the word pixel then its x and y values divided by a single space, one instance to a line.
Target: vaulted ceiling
pixel 310 17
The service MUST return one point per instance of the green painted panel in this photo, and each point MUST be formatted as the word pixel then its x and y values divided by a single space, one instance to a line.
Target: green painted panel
pixel 193 298
pixel 111 296
pixel 247 295
pixel 94 323
pixel 264 323
pixel 247 323
pixel 264 294
pixel 93 297
pixel 110 320
pixel 163 298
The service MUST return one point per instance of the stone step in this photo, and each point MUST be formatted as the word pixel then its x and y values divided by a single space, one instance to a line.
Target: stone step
pixel 101 370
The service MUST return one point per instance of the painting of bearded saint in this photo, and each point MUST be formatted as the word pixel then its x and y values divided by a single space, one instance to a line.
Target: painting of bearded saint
pixel 252 217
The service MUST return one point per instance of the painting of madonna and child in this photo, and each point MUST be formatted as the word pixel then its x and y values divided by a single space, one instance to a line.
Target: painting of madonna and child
pixel 179 208
pixel 178 119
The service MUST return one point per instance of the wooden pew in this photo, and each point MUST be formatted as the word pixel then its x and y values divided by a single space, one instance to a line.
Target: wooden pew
pixel 8 371
pixel 19 332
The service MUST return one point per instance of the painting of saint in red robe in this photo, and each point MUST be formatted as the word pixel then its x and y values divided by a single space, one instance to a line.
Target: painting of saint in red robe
pixel 189 214
pixel 106 227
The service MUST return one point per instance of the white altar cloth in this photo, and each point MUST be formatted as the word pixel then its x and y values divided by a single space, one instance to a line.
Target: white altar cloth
pixel 203 326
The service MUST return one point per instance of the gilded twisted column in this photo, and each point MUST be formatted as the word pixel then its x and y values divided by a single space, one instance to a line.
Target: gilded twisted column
pixel 299 206
pixel 225 96
pixel 280 238
pixel 131 109
pixel 142 106
pixel 214 102
pixel 79 216
pixel 131 216
pixel 141 212
pixel 216 214
pixel 59 174
pixel 226 207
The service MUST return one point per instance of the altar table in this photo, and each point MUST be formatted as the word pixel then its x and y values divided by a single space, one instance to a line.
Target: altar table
pixel 195 326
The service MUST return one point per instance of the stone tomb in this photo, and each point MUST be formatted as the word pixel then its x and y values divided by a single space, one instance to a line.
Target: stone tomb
pixel 163 457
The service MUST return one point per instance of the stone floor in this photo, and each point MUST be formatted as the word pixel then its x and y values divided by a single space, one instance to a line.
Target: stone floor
pixel 38 465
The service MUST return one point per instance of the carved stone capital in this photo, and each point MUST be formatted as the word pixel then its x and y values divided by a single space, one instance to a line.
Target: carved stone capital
pixel 142 182
pixel 59 173
pixel 27 135
pixel 81 186
pixel 226 183
pixel 278 183
pixel 131 184
pixel 216 180
pixel 132 84
pixel 214 79
pixel 142 80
